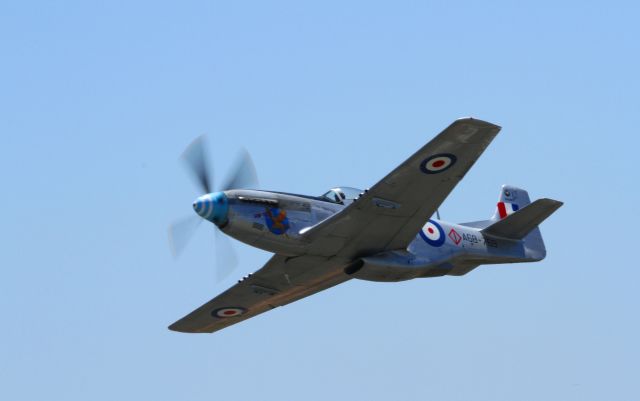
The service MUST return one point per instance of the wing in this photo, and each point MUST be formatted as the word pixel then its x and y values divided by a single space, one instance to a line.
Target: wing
pixel 281 281
pixel 392 212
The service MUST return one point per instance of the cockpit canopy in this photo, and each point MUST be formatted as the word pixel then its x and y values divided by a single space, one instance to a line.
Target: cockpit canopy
pixel 342 195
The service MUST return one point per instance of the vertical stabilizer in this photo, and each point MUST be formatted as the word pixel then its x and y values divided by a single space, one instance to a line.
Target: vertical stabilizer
pixel 511 200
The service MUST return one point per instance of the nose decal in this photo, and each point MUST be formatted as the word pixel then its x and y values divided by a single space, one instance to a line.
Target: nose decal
pixel 276 220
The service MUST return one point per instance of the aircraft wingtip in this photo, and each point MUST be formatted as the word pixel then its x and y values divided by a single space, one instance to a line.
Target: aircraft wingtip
pixel 477 121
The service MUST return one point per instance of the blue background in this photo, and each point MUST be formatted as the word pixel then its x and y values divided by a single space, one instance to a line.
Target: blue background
pixel 98 99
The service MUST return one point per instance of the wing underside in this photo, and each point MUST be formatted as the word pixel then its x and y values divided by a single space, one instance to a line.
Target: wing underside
pixel 281 281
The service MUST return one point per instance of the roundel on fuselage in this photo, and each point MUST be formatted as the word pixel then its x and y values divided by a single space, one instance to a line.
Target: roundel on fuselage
pixel 433 234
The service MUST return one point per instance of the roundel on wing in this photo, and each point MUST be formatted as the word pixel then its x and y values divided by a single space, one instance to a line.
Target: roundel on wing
pixel 433 234
pixel 228 312
pixel 437 163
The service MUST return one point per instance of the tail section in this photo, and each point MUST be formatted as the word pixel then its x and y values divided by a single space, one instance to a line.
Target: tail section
pixel 516 218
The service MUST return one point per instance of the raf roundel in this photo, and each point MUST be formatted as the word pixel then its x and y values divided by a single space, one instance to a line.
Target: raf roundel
pixel 433 234
pixel 228 312
pixel 438 163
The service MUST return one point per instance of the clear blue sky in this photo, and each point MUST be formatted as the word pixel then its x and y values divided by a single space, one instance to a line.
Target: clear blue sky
pixel 98 99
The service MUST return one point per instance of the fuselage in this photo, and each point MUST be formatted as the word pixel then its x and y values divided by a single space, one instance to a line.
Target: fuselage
pixel 277 221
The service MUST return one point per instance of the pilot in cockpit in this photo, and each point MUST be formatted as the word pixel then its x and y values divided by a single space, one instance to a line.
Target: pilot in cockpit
pixel 342 195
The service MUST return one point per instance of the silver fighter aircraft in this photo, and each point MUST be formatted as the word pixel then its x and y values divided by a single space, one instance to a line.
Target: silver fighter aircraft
pixel 385 233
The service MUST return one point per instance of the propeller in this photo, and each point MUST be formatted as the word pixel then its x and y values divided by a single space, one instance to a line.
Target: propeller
pixel 242 175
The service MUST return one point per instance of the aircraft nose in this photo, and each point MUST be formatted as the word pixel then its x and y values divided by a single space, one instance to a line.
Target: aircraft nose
pixel 213 207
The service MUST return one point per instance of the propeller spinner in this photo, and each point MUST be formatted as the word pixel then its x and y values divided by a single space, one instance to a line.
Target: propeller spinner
pixel 213 207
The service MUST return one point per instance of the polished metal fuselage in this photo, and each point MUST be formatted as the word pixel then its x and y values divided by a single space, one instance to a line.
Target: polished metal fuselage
pixel 276 222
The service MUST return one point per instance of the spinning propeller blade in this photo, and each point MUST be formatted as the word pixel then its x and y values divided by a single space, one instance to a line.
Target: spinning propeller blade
pixel 226 259
pixel 181 232
pixel 242 175
pixel 195 157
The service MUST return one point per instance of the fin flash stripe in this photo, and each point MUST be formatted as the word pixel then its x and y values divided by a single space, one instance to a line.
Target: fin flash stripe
pixel 505 209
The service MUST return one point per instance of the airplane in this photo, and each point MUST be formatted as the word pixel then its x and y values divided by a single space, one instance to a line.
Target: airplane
pixel 386 233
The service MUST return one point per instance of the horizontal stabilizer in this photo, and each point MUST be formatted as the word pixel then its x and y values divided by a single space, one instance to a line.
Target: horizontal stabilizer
pixel 520 223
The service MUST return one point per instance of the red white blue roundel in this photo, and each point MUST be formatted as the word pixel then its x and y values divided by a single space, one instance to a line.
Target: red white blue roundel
pixel 228 312
pixel 437 163
pixel 432 233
